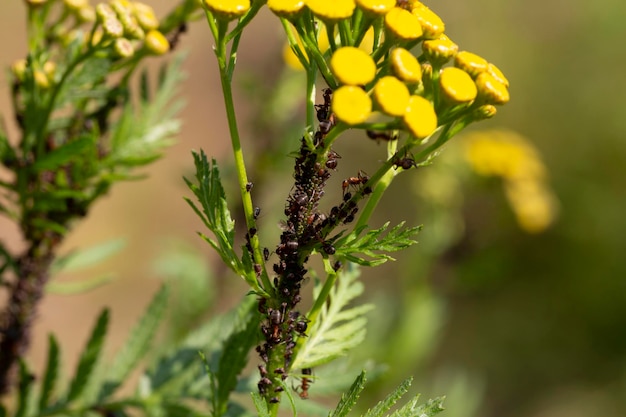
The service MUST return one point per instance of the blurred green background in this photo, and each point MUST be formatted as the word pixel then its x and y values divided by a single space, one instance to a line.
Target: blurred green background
pixel 507 323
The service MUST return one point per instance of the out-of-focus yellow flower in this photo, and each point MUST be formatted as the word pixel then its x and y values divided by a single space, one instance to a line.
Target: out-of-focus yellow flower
pixel 391 95
pixel 420 117
pixel 471 63
pixel 86 14
pixel 331 10
pixel 491 90
pixel 19 69
pixel 156 43
pixel 403 24
pixel 36 2
pixel 533 204
pixel 113 28
pixel 290 57
pixel 41 79
pixel 75 5
pixel 351 105
pixel 432 25
pixel 145 16
pixel 50 68
pixel 285 8
pixel 124 48
pixel 405 66
pixel 104 12
pixel 457 86
pixel 439 51
pixel 228 9
pixel 376 7
pixel 367 44
pixel 352 66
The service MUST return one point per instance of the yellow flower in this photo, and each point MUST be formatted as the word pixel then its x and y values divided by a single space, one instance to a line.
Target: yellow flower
pixel 285 8
pixel 405 66
pixel 420 117
pixel 392 96
pixel 352 66
pixel 124 48
pixel 533 204
pixel 113 27
pixel 104 12
pixel 432 25
pixel 439 51
pixel 145 16
pixel 156 43
pixel 497 74
pixel 367 44
pixel 471 63
pixel 457 86
pixel 86 14
pixel 491 90
pixel 351 105
pixel 50 68
pixel 41 79
pixel 228 9
pixel 376 7
pixel 331 10
pixel 403 24
pixel 75 5
pixel 19 69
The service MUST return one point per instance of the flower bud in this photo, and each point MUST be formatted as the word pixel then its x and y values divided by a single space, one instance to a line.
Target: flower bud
pixel 420 117
pixel 402 24
pixel 391 95
pixel 405 66
pixel 439 51
pixel 124 48
pixel 352 66
pixel 19 69
pixel 491 90
pixel 145 16
pixel 457 86
pixel 376 7
pixel 228 9
pixel 351 104
pixel 470 63
pixel 156 43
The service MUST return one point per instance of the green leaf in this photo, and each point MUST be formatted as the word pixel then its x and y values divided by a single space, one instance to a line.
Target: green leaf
pixel 214 211
pixel 137 345
pixel 51 373
pixel 383 406
pixel 374 244
pixel 260 405
pixel 25 393
pixel 66 153
pixel 349 399
pixel 413 409
pixel 85 258
pixel 338 328
pixel 234 355
pixel 89 357
pixel 78 287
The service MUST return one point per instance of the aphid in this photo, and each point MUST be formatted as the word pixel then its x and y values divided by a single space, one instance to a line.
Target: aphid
pixel 266 253
pixel 249 186
pixel 328 248
pixel 257 211
pixel 257 269
pixel 336 266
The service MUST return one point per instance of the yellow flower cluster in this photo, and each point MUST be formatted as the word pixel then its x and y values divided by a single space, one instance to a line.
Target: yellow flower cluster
pixel 387 79
pixel 510 156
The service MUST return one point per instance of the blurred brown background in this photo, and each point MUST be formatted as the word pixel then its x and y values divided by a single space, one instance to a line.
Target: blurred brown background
pixel 530 325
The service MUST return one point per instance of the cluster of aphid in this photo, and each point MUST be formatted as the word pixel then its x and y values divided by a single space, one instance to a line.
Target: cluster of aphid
pixel 305 229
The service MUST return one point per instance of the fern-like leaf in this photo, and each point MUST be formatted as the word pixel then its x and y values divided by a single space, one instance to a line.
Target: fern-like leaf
pixel 413 409
pixel 89 357
pixel 350 398
pixel 375 244
pixel 383 406
pixel 260 405
pixel 137 344
pixel 51 373
pixel 338 328
pixel 25 393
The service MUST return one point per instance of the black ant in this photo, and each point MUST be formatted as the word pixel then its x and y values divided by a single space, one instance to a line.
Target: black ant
pixel 361 178
pixel 305 384
pixel 384 136
pixel 404 163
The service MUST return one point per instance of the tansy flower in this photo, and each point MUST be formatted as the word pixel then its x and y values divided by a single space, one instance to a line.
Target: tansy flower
pixel 403 24
pixel 124 48
pixel 391 95
pixel 351 105
pixel 497 74
pixel 439 51
pixel 145 16
pixel 457 86
pixel 352 66
pixel 471 63
pixel 228 9
pixel 113 27
pixel 420 117
pixel 19 69
pixel 432 25
pixel 376 7
pixel 285 8
pixel 491 90
pixel 331 10
pixel 405 66
pixel 156 43
pixel 75 5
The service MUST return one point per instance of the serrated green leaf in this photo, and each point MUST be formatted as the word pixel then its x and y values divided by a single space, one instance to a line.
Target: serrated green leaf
pixel 65 153
pixel 338 328
pixel 234 355
pixel 85 258
pixel 137 345
pixel 51 373
pixel 89 357
pixel 350 398
pixel 383 406
pixel 260 405
pixel 25 390
pixel 375 244
pixel 431 408
pixel 78 287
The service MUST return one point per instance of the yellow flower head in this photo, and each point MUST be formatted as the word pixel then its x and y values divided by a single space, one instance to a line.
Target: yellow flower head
pixel 351 104
pixel 486 111
pixel 285 8
pixel 405 66
pixel 145 16
pixel 228 9
pixel 440 50
pixel 86 14
pixel 19 69
pixel 420 117
pixel 41 79
pixel 113 28
pixel 471 63
pixel 457 86
pixel 75 5
pixel 156 43
pixel 50 68
pixel 104 12
pixel 331 10
pixel 123 48
pixel 432 25
pixel 533 204
pixel 491 90
pixel 403 24
pixel 497 74
pixel 352 66
pixel 376 7
pixel 392 96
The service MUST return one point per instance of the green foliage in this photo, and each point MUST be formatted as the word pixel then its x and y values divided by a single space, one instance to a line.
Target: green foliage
pixel 375 244
pixel 339 327
pixel 51 373
pixel 349 399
